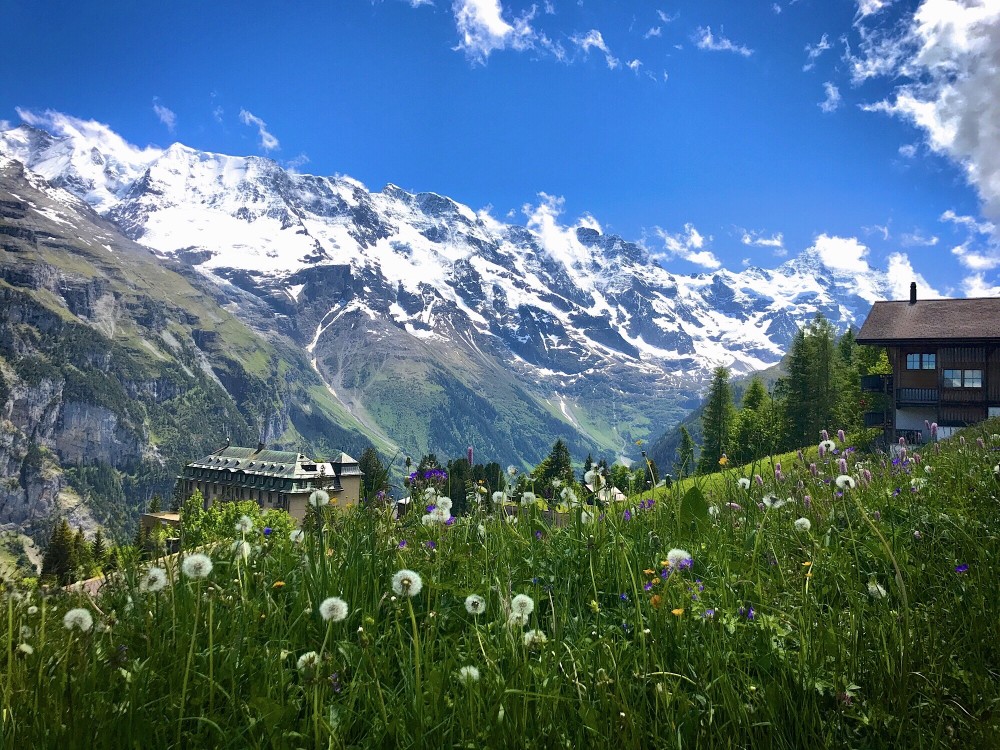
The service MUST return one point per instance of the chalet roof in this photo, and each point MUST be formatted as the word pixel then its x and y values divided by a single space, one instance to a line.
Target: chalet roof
pixel 263 462
pixel 975 320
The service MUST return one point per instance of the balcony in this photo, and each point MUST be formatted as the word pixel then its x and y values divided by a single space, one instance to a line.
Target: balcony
pixel 911 396
pixel 877 419
pixel 876 383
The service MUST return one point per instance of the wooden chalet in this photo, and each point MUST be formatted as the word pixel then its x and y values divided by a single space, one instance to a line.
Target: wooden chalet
pixel 945 357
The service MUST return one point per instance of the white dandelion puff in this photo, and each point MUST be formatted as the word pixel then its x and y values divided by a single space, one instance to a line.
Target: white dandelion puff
pixel 770 501
pixel 517 620
pixel 319 498
pixel 846 482
pixel 407 582
pixel 308 660
pixel 475 604
pixel 25 649
pixel 333 609
pixel 197 566
pixel 557 483
pixel 512 470
pixel 498 496
pixel 875 591
pixel 468 675
pixel 441 514
pixel 154 580
pixel 679 558
pixel 430 494
pixel 534 638
pixel 32 610
pixel 744 483
pixel 569 496
pixel 527 498
pixel 803 525
pixel 522 604
pixel 241 548
pixel 297 535
pixel 78 618
pixel 244 525
pixel 444 504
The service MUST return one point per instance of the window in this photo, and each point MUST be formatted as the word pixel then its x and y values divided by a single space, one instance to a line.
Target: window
pixel 963 378
pixel 921 361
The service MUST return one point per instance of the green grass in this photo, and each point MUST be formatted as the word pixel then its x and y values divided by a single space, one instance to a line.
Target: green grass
pixel 867 630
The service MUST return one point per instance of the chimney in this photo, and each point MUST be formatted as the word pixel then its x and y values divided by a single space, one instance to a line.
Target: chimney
pixel 913 292
pixel 260 447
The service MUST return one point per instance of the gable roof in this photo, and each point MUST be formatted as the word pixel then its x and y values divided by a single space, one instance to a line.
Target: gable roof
pixel 975 320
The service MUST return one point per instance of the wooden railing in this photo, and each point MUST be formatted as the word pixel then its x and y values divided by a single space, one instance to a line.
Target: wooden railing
pixel 917 396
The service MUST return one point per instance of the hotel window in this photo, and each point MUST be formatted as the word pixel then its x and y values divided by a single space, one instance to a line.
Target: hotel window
pixel 921 361
pixel 963 378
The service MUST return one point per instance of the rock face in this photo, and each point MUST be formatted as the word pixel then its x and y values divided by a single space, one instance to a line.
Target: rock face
pixel 115 370
pixel 431 325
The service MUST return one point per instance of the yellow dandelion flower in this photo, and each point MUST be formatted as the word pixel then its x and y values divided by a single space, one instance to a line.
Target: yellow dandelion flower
pixel 806 564
pixel 656 600
pixel 723 460
pixel 677 612
pixel 649 572
pixel 278 585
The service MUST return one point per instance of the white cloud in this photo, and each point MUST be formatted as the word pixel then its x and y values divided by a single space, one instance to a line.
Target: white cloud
pixel 704 39
pixel 949 58
pixel 484 30
pixel 166 116
pixel 975 260
pixel 688 245
pixel 842 253
pixel 89 130
pixel 969 222
pixel 550 9
pixel 5 125
pixel 267 141
pixel 776 8
pixel 293 164
pixel 917 238
pixel 654 31
pixel 593 39
pixel 418 3
pixel 634 65
pixel 908 150
pixel 813 52
pixel 757 239
pixel 977 286
pixel 217 114
pixel 832 101
pixel 871 7
pixel 557 239
pixel 900 271
pixel 666 17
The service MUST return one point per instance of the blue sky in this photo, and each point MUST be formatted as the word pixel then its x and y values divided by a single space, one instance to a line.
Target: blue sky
pixel 715 132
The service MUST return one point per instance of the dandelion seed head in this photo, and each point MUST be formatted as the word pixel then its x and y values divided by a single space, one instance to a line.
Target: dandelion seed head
pixel 333 609
pixel 444 504
pixel 154 580
pixel 845 482
pixel 475 604
pixel 297 535
pixel 522 604
pixel 241 548
pixel 744 483
pixel 32 610
pixel 407 582
pixel 308 661
pixel 319 498
pixel 527 498
pixel 468 675
pixel 535 638
pixel 78 619
pixel 679 558
pixel 875 591
pixel 803 525
pixel 197 565
pixel 497 496
pixel 244 525
pixel 25 649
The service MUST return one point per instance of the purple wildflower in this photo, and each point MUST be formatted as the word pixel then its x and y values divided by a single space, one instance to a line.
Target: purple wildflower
pixel 267 531
pixel 429 544
pixel 648 586
pixel 627 515
pixel 708 614
pixel 402 544
pixel 963 568
pixel 841 436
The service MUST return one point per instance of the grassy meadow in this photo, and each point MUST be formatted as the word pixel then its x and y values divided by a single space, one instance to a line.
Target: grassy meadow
pixel 838 600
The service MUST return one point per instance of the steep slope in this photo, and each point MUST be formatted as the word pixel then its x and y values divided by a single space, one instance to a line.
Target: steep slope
pixel 115 368
pixel 438 326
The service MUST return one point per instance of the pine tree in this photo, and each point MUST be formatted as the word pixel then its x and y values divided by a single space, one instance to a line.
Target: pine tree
pixel 685 455
pixel 59 560
pixel 155 504
pixel 717 422
pixel 99 549
pixel 796 394
pixel 375 474
pixel 557 465
pixel 753 430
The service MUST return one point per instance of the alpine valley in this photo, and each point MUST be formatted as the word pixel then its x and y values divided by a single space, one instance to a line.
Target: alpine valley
pixel 154 302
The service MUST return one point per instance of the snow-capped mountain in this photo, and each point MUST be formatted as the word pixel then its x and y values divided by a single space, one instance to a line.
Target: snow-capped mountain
pixel 415 309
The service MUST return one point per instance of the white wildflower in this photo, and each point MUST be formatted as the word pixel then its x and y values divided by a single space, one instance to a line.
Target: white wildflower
pixel 918 482
pixel 25 649
pixel 197 565
pixel 444 504
pixel 244 525
pixel 568 496
pixel 511 470
pixel 333 609
pixel 557 483
pixel 154 580
pixel 535 638
pixel 427 519
pixel 846 482
pixel 679 558
pixel 498 497
pixel 522 604
pixel 586 517
pixel 744 483
pixel 32 610
pixel 517 620
pixel 319 498
pixel 240 548
pixel 407 583
pixel 770 501
pixel 827 445
pixel 713 510
pixel 481 530
pixel 803 525
pixel 527 498
pixel 875 591
pixel 78 618
pixel 441 514
pixel 468 675
pixel 297 535
pixel 475 604
pixel 512 520
pixel 430 494
pixel 308 660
